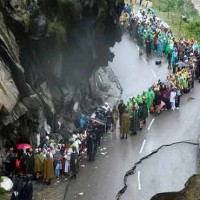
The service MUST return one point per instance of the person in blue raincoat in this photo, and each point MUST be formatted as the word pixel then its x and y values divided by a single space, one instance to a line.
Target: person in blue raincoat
pixel 82 121
pixel 195 48
pixel 174 59
pixel 159 50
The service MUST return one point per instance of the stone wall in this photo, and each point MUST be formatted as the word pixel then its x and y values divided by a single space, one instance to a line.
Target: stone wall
pixel 50 54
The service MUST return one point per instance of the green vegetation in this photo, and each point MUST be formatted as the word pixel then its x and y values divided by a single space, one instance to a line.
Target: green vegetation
pixel 184 7
pixel 192 29
pixel 26 20
pixel 58 28
pixel 181 15
pixel 2 190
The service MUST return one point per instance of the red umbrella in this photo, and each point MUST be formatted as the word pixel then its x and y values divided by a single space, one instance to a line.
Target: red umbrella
pixel 23 146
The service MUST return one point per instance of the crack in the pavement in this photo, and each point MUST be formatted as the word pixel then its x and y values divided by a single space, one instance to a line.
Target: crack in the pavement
pixel 133 169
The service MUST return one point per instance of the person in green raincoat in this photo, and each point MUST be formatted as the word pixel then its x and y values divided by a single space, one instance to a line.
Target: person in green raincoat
pixel 145 110
pixel 142 112
pixel 138 99
pixel 134 120
pixel 150 98
pixel 183 81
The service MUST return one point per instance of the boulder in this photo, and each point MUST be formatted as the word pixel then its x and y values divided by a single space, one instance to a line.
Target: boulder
pixel 9 93
pixel 7 184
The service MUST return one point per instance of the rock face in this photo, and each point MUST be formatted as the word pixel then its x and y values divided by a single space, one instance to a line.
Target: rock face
pixel 50 52
pixel 190 192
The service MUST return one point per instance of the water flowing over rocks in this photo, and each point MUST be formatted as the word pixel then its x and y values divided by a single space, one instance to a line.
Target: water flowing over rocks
pixel 50 56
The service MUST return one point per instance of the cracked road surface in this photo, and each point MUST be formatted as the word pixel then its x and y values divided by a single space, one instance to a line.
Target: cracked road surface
pixel 165 171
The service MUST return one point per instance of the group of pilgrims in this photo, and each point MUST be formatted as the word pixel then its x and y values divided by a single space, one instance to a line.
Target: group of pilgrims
pixel 54 158
pixel 57 158
pixel 153 34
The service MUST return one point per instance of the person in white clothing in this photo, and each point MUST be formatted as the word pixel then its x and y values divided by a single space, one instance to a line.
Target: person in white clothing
pixel 67 156
pixel 76 144
pixel 173 98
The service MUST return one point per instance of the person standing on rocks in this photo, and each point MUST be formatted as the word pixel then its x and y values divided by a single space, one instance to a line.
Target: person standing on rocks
pixel 121 108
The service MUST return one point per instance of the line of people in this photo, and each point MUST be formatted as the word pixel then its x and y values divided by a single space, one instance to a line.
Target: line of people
pixel 152 33
pixel 55 158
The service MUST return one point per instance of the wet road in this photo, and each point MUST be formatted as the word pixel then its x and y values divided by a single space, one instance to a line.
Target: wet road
pixel 166 170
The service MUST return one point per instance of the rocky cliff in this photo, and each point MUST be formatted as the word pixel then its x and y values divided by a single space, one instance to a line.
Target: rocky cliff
pixel 50 51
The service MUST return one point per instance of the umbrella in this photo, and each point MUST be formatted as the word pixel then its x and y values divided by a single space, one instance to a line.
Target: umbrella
pixel 23 146
pixel 58 156
pixel 98 121
pixel 182 64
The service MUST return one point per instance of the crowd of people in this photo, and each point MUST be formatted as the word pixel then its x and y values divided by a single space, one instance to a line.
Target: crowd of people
pixel 153 34
pixel 61 158
pixel 55 158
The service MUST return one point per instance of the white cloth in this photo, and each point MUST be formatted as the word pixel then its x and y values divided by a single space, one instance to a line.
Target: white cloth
pixel 76 143
pixel 172 96
pixel 67 154
pixel 67 166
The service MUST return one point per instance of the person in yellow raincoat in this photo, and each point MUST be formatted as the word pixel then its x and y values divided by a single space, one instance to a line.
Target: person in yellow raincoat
pixel 39 164
pixel 48 172
pixel 125 124
pixel 115 113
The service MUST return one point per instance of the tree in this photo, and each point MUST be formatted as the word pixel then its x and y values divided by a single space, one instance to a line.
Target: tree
pixel 192 29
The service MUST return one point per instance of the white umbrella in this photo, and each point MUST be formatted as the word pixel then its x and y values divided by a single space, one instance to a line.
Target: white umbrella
pixel 7 184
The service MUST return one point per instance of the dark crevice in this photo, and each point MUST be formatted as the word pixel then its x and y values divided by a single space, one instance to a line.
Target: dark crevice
pixel 133 169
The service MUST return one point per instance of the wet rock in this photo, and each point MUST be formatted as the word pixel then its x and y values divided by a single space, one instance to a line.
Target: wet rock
pixel 32 102
pixel 9 93
pixel 46 96
pixel 190 192
pixel 52 51
pixel 38 27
